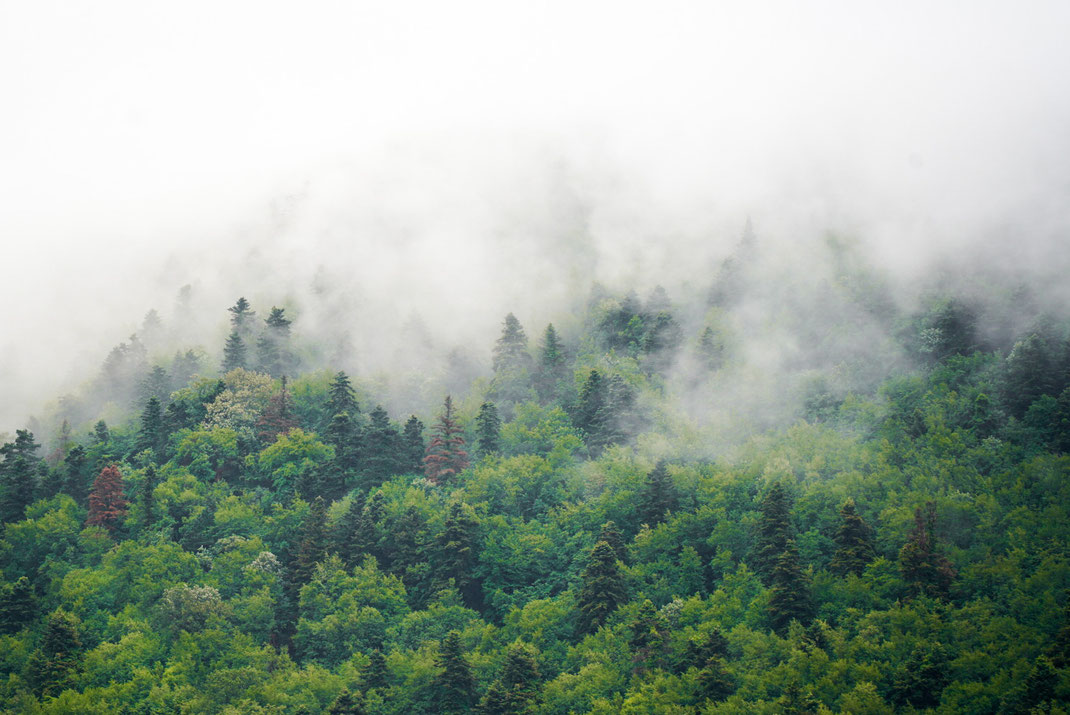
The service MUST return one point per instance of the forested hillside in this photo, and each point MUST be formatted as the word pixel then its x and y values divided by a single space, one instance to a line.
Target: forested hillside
pixel 773 493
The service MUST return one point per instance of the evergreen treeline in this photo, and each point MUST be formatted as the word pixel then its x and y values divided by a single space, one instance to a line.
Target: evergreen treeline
pixel 263 539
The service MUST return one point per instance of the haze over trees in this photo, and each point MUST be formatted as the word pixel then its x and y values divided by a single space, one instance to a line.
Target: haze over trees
pixel 578 528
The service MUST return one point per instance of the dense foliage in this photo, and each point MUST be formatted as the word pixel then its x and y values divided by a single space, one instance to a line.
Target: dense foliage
pixel 268 539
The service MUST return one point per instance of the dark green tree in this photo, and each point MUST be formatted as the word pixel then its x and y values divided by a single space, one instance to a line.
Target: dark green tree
pixel 18 605
pixel 594 412
pixel 19 472
pixel 714 681
pixel 648 635
pixel 198 532
pixel 488 430
pixel 925 569
pixel 513 692
pixel 101 433
pixel 76 475
pixel 457 548
pixel 1029 373
pixel 157 383
pixel 612 536
pixel 341 398
pixel 1039 690
pixel 797 700
pixel 343 434
pixel 54 664
pixel 789 598
pixel 375 674
pixel 241 317
pixel 345 532
pixel 235 354
pixel 854 543
pixel 603 589
pixel 313 545
pixel 552 366
pixel 148 499
pixel 922 678
pixel 273 347
pixel 658 497
pixel 511 350
pixel 382 449
pixel 454 686
pixel 413 447
pixel 348 703
pixel 774 531
pixel 152 435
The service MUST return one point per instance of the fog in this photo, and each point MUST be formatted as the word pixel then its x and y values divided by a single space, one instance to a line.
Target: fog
pixel 366 163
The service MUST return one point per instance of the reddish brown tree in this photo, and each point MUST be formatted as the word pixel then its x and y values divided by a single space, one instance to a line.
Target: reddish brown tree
pixel 107 503
pixel 446 457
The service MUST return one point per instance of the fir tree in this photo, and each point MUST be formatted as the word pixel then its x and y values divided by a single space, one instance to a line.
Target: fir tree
pixel 603 589
pixel 714 681
pixel 797 701
pixel 457 548
pixel 1040 688
pixel 514 691
pixel 488 429
pixel 789 597
pixel 446 457
pixel 381 448
pixel 594 413
pixel 375 674
pixel 152 434
pixel 511 350
pixel 612 536
pixel 854 545
pixel 273 345
pixel 101 434
pixel 277 417
pixel 235 354
pixel 76 481
pixel 348 703
pixel 54 664
pixel 413 447
pixel 183 367
pixel 148 500
pixel 200 531
pixel 18 475
pixel 341 398
pixel 921 679
pixel 343 434
pixel 18 605
pixel 552 365
pixel 107 503
pixel 454 686
pixel 313 544
pixel 647 635
pixel 156 384
pixel 924 568
pixel 774 531
pixel 658 496
pixel 344 535
pixel 241 317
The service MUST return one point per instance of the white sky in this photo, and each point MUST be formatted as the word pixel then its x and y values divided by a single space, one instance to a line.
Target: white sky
pixel 131 131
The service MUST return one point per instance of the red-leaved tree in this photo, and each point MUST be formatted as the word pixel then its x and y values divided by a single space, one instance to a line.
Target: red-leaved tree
pixel 107 503
pixel 446 457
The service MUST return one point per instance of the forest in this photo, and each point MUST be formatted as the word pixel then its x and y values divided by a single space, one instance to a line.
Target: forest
pixel 759 495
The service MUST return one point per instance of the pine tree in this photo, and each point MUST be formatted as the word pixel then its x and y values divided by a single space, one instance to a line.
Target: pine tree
pixel 344 535
pixel 774 531
pixel 445 457
pixel 200 531
pixel 454 686
pixel 101 434
pixel 457 548
pixel 647 635
pixel 76 482
pixel 54 664
pixel 235 354
pixel 157 383
pixel 241 317
pixel 511 350
pixel 594 412
pixel 921 679
pixel 341 398
pixel 488 428
pixel 148 501
pixel 107 503
pixel 658 496
pixel 854 544
pixel 552 365
pixel 1040 688
pixel 18 605
pixel 343 434
pixel 789 597
pixel 313 544
pixel 348 703
pixel 273 346
pixel 184 366
pixel 513 692
pixel 612 536
pixel 714 681
pixel 381 448
pixel 152 434
pixel 924 568
pixel 375 674
pixel 413 447
pixel 603 589
pixel 797 701
pixel 18 475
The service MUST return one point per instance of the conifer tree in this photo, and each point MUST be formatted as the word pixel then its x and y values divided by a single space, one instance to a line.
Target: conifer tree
pixel 367 537
pixel 235 354
pixel 552 365
pixel 603 589
pixel 278 417
pixel 348 703
pixel 101 434
pixel 924 568
pixel 612 536
pixel 241 317
pixel 381 448
pixel 514 691
pixel 152 434
pixel 921 679
pixel 511 350
pixel 18 475
pixel 1040 688
pixel 273 346
pixel 343 434
pixel 454 686
pixel 658 496
pixel 647 635
pixel 797 700
pixel 344 535
pixel 457 547
pixel 54 664
pixel 774 531
pixel 789 597
pixel 446 457
pixel 488 427
pixel 594 412
pixel 413 447
pixel 313 545
pixel 18 605
pixel 200 531
pixel 341 397
pixel 854 544
pixel 148 500
pixel 375 674
pixel 107 503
